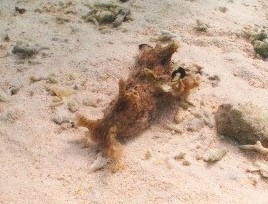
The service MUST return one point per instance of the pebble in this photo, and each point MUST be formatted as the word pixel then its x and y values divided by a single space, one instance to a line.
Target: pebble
pixel 214 155
pixel 73 106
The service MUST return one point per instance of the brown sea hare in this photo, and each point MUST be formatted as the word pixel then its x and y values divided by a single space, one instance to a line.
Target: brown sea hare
pixel 153 87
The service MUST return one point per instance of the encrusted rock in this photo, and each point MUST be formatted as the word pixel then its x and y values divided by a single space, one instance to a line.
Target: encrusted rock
pixel 247 123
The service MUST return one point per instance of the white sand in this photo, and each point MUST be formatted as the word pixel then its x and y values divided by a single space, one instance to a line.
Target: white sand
pixel 42 162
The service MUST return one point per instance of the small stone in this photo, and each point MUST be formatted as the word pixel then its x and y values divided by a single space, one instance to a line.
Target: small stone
pixel 73 106
pixel 214 155
pixel 14 90
pixel 180 156
pixel 3 96
pixel 186 163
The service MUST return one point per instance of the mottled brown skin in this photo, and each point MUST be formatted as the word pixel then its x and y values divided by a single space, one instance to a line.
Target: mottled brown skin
pixel 141 99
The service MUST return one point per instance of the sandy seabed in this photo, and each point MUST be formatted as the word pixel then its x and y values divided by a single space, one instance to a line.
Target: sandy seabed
pixel 43 162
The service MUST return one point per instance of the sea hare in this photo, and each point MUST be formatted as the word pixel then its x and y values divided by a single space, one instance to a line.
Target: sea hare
pixel 153 87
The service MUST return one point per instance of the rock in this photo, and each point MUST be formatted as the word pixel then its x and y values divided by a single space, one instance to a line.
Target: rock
pixel 3 96
pixel 25 50
pixel 247 123
pixel 214 155
pixel 73 106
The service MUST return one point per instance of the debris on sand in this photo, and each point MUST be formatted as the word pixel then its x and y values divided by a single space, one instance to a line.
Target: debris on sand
pixel 247 123
pixel 214 155
pixel 165 36
pixel 99 163
pixel 142 98
pixel 180 156
pixel 25 50
pixel 215 80
pixel 62 20
pixel 59 91
pixel 200 26
pixel 257 147
pixel 3 96
pixel 20 10
pixel 49 79
pixel 107 13
pixel 261 47
pixel 73 106
pixel 14 90
pixel 259 40
pixel 12 115
pixel 58 8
